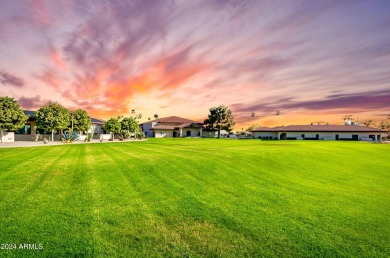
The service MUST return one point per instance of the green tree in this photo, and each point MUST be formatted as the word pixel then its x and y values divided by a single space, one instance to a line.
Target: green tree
pixel 11 115
pixel 53 116
pixel 81 120
pixel 113 125
pixel 130 124
pixel 219 118
pixel 347 117
pixel 385 126
pixel 252 127
pixel 369 123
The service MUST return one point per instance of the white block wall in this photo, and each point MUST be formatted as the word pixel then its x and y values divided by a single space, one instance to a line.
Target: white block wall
pixel 162 133
pixel 8 137
pixel 194 132
pixel 330 135
pixel 322 135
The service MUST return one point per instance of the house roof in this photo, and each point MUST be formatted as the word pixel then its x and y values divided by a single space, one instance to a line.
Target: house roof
pixel 97 121
pixel 29 113
pixel 172 119
pixel 317 128
pixel 174 127
pixel 189 125
pixel 164 127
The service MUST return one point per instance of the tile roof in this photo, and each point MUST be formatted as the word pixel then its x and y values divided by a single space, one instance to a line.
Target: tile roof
pixel 97 121
pixel 189 125
pixel 164 127
pixel 317 128
pixel 172 119
pixel 174 127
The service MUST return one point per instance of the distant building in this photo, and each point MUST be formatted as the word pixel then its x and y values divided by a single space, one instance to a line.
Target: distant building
pixel 97 126
pixel 172 126
pixel 318 132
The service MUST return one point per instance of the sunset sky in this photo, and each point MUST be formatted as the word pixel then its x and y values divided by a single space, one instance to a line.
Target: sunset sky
pixel 311 60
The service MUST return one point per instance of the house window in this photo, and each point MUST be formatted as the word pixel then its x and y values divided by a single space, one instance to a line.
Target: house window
pixel 161 133
pixel 25 130
pixel 188 133
pixel 303 135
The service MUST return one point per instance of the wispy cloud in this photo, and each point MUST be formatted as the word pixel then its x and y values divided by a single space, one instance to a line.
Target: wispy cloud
pixel 181 57
pixel 8 79
pixel 32 103
pixel 365 101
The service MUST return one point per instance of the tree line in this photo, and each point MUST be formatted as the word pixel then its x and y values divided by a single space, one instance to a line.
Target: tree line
pixel 55 117
pixel 50 118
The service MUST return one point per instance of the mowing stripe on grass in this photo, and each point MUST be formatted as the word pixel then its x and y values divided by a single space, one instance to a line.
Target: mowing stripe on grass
pixel 198 197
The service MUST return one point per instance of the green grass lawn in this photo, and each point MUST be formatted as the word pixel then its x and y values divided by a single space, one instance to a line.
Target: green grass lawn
pixel 197 197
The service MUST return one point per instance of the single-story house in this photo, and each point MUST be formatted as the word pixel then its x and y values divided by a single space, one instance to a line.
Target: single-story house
pixel 318 132
pixel 172 126
pixel 97 127
pixel 30 132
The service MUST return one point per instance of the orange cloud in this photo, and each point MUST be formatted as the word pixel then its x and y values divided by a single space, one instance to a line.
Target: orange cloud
pixel 50 77
pixel 118 93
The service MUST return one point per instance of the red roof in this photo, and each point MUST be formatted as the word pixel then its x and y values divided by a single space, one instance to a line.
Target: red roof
pixel 174 127
pixel 317 128
pixel 172 119
pixel 163 127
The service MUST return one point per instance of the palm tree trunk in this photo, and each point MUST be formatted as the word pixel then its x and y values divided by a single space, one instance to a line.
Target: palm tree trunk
pixel 2 136
pixel 52 135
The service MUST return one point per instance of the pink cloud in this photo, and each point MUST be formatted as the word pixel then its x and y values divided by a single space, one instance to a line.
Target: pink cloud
pixel 32 103
pixel 8 79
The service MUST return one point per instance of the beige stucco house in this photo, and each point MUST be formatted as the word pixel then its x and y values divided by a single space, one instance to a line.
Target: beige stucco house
pixel 172 126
